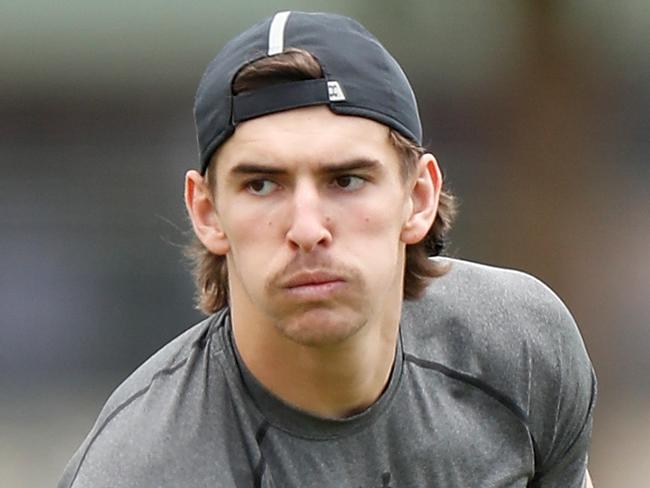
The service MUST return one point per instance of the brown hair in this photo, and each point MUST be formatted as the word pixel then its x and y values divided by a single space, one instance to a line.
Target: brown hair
pixel 210 270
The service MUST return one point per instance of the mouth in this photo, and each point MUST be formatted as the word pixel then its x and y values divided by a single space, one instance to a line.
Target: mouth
pixel 316 285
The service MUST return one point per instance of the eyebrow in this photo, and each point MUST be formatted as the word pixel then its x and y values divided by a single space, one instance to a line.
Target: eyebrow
pixel 246 168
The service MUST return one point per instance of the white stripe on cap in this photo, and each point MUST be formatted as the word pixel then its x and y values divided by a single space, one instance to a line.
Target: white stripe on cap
pixel 276 33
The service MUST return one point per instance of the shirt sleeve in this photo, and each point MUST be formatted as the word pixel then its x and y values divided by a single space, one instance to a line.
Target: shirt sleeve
pixel 566 465
pixel 563 395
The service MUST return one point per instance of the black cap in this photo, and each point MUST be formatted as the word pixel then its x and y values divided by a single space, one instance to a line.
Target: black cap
pixel 360 78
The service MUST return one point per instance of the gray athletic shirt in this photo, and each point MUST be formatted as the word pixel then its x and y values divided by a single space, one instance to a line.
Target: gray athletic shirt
pixel 491 387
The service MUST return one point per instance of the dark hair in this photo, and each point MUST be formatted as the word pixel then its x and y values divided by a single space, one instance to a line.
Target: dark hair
pixel 210 270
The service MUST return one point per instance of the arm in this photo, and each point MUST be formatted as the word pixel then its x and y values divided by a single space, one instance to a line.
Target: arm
pixel 563 392
pixel 565 459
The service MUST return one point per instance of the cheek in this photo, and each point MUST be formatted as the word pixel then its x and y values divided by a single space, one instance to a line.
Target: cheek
pixel 373 236
pixel 255 239
pixel 380 220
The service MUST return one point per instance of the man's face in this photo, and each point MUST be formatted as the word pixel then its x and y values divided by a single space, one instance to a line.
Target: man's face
pixel 312 207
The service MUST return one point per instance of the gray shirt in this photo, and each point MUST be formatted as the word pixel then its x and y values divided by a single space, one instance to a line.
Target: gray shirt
pixel 491 387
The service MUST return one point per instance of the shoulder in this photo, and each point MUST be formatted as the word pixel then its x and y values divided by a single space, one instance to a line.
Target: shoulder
pixel 169 358
pixel 509 334
pixel 124 427
pixel 160 368
pixel 486 306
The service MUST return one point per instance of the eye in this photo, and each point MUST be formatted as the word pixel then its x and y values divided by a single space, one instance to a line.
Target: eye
pixel 261 187
pixel 349 182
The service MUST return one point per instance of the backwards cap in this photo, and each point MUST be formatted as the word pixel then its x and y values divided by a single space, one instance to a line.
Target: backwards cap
pixel 360 78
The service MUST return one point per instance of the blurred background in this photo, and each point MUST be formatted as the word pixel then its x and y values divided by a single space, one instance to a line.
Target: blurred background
pixel 539 112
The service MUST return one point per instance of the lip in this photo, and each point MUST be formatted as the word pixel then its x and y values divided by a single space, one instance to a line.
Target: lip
pixel 314 285
pixel 311 278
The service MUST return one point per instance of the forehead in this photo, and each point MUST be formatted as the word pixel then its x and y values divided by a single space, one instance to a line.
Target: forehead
pixel 306 135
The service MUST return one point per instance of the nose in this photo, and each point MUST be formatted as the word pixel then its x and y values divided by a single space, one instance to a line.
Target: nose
pixel 309 226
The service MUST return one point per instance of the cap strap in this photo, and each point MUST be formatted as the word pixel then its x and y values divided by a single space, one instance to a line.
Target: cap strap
pixel 276 98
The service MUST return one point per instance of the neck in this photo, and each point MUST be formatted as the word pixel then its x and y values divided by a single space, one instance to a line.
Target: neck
pixel 332 381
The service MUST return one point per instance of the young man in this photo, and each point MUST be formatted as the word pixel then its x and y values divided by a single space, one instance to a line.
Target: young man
pixel 315 212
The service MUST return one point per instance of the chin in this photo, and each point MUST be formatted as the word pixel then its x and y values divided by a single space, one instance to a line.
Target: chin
pixel 321 327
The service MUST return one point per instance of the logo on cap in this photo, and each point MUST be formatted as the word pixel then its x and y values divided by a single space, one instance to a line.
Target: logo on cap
pixel 335 92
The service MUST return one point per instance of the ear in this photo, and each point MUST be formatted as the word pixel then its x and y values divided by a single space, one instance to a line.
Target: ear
pixel 203 214
pixel 425 188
